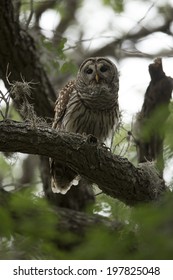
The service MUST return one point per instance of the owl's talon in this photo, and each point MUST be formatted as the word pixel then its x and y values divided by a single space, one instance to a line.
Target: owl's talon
pixel 103 145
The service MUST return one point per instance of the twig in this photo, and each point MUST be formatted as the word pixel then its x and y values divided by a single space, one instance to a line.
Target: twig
pixel 6 99
pixel 7 75
pixel 31 14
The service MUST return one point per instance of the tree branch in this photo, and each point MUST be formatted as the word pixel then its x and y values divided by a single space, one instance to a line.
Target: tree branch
pixel 115 48
pixel 114 175
pixel 43 7
pixel 66 221
pixel 67 18
pixel 18 50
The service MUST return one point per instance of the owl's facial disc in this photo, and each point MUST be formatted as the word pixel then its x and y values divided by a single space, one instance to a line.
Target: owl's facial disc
pixel 97 76
pixel 97 71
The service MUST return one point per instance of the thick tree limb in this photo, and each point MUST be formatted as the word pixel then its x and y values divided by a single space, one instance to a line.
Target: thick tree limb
pixel 18 51
pixel 114 175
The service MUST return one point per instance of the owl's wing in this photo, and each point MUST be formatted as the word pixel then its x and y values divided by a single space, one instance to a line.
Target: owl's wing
pixel 62 177
pixel 61 103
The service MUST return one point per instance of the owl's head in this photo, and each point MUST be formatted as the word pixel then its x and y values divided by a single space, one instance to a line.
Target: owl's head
pixel 97 72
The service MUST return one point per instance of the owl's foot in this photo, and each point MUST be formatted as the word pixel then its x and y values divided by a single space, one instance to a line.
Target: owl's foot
pixel 103 145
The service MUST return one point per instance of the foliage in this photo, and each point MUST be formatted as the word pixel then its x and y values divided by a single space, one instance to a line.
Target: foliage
pixel 28 224
pixel 28 231
pixel 27 228
pixel 117 5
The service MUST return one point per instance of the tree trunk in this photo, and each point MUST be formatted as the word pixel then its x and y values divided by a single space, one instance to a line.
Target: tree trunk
pixel 20 60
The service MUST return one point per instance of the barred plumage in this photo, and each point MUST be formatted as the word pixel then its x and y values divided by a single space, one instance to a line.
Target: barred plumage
pixel 87 105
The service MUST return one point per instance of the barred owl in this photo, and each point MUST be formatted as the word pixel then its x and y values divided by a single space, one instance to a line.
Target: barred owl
pixel 86 105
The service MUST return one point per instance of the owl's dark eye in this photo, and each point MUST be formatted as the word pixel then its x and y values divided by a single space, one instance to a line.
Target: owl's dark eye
pixel 104 68
pixel 89 71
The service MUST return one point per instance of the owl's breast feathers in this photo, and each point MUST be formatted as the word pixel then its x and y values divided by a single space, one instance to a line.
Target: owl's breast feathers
pixel 87 105
pixel 87 114
pixel 81 112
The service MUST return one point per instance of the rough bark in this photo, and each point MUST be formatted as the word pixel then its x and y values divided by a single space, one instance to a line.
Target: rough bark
pixel 19 55
pixel 150 121
pixel 114 175
pixel 18 49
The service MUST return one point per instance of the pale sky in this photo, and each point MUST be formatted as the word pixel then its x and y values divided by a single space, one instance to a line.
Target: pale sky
pixel 101 25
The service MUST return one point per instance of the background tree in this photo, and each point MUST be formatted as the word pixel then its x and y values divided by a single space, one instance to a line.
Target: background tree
pixel 33 66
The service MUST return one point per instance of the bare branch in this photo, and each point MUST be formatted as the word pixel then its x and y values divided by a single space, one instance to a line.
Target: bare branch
pixel 115 48
pixel 44 5
pixel 153 115
pixel 31 13
pixel 6 99
pixel 70 11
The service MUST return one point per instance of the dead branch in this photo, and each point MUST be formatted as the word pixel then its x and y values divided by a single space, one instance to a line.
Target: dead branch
pixel 150 121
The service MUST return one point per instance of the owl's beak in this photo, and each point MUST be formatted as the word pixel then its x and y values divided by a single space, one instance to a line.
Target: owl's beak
pixel 97 78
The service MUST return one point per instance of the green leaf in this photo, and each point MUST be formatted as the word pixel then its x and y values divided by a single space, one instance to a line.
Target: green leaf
pixel 60 48
pixel 117 5
pixel 69 67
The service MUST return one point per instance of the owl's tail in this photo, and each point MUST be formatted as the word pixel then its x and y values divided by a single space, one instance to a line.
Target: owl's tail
pixel 62 177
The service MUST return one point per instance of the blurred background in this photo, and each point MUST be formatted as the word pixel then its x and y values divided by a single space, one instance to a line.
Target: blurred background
pixel 132 33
